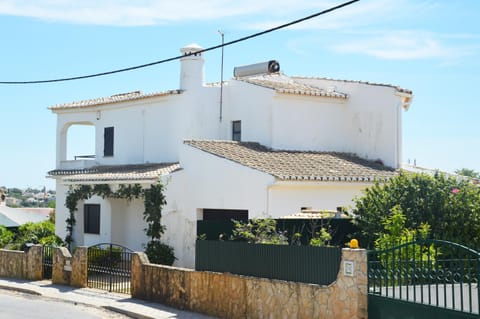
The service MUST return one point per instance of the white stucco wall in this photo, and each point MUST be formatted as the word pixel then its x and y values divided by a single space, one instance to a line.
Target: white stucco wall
pixel 128 224
pixel 207 181
pixel 370 121
pixel 252 105
pixel 61 212
pixel 286 198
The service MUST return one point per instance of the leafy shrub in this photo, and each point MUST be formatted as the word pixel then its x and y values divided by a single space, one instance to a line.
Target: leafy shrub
pixel 404 260
pixel 36 233
pixel 159 253
pixel 6 236
pixel 99 256
pixel 321 238
pixel 259 231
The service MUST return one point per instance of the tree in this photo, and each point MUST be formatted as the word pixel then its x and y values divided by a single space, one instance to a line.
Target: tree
pixel 468 172
pixel 451 206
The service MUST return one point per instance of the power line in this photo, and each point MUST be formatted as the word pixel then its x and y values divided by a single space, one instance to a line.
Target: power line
pixel 180 56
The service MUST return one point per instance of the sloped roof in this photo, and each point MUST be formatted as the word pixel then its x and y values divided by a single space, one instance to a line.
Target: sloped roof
pixel 287 85
pixel 115 173
pixel 15 217
pixel 297 165
pixel 123 97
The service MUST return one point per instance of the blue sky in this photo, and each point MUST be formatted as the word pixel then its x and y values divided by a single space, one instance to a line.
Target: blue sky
pixel 431 47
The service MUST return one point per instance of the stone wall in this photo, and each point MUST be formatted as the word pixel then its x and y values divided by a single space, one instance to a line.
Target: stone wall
pixel 231 296
pixel 20 264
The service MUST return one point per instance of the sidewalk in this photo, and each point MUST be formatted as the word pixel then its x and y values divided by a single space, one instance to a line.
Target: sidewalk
pixel 119 303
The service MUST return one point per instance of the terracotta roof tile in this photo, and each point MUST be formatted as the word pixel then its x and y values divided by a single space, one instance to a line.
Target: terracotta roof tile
pixel 288 85
pixel 131 96
pixel 297 165
pixel 134 173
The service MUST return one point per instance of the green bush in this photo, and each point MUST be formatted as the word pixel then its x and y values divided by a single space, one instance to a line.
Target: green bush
pixel 321 238
pixel 36 233
pixel 6 236
pixel 99 256
pixel 159 253
pixel 259 231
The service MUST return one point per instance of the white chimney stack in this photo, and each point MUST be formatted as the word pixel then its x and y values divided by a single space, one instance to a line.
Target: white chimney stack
pixel 192 71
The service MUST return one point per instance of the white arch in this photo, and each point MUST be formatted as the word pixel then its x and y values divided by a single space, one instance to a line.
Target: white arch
pixel 65 141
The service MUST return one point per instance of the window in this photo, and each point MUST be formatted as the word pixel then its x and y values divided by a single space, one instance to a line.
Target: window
pixel 237 131
pixel 108 141
pixel 91 219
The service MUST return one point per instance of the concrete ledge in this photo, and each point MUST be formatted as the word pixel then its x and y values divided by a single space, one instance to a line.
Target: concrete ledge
pixel 128 313
pixel 23 290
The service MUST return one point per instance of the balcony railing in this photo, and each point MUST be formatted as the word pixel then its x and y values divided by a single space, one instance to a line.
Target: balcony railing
pixel 84 157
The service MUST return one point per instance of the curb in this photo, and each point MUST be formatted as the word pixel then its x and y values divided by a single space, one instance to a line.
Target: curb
pixel 23 290
pixel 128 313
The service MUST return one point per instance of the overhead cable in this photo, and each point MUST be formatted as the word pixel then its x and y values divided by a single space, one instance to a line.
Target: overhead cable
pixel 180 56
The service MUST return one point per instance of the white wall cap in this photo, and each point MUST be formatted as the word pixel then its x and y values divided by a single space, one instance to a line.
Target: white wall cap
pixel 191 48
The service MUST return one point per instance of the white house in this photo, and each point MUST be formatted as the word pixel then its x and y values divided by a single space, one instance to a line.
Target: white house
pixel 261 144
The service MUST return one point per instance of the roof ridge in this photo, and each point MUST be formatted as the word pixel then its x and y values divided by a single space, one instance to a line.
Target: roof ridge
pixel 397 87
pixel 115 98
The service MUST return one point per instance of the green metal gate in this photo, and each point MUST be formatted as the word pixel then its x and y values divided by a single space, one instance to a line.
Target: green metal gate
pixel 424 279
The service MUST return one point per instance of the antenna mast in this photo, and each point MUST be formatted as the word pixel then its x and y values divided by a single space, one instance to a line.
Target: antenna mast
pixel 221 77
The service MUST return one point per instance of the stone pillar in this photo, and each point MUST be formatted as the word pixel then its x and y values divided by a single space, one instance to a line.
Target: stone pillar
pixel 137 280
pixel 352 281
pixel 33 265
pixel 79 267
pixel 62 267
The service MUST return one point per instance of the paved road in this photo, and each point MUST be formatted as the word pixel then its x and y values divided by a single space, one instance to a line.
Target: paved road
pixel 15 305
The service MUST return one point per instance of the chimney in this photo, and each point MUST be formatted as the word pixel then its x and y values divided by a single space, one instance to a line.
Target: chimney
pixel 191 67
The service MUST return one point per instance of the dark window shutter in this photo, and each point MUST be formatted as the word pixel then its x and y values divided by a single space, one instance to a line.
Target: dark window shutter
pixel 237 131
pixel 108 141
pixel 91 220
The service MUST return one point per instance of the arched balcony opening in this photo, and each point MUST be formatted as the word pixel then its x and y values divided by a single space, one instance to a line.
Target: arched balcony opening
pixel 81 142
pixel 76 146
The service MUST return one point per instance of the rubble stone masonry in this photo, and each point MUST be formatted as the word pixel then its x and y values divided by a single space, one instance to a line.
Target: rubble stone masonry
pixel 232 296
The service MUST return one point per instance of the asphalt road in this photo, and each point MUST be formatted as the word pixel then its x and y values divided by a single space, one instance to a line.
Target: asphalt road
pixel 15 305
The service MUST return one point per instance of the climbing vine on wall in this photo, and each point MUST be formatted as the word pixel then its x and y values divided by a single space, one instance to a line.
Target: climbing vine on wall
pixel 154 200
pixel 83 192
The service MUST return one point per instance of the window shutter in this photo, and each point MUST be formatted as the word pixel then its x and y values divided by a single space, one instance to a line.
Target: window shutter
pixel 108 141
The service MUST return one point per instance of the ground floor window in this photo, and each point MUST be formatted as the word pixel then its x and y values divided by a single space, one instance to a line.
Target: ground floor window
pixel 91 219
pixel 225 214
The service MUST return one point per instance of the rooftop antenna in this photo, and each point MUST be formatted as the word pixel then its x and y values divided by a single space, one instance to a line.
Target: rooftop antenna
pixel 221 77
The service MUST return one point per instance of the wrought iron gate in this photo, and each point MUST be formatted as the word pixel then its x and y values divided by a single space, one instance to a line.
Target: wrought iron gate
pixel 47 262
pixel 109 267
pixel 424 279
